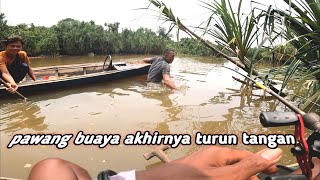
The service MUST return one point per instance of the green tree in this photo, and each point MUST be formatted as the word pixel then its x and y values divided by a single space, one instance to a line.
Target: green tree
pixel 4 28
pixel 73 37
pixel 193 47
pixel 77 38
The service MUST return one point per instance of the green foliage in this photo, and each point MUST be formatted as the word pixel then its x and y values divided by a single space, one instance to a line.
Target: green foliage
pixel 279 55
pixel 73 37
pixel 300 26
pixel 236 31
pixel 263 54
pixel 77 38
pixel 193 47
pixel 4 28
pixel 283 54
pixel 143 41
pixel 111 39
pixel 39 40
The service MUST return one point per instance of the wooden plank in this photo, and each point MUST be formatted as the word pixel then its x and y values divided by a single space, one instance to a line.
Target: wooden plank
pixel 71 70
pixel 75 66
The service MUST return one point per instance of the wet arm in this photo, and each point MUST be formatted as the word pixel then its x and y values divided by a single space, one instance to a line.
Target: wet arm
pixel 7 76
pixel 167 81
pixel 148 60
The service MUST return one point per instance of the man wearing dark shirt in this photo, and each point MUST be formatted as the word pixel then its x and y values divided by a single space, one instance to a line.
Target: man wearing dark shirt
pixel 160 68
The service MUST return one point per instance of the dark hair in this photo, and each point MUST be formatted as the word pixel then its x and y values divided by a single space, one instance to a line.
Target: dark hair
pixel 168 50
pixel 12 39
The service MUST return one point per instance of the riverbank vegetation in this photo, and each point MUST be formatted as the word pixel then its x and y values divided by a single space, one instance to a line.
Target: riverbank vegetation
pixel 73 37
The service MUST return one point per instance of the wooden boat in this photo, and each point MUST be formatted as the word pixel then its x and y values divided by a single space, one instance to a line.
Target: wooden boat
pixel 77 74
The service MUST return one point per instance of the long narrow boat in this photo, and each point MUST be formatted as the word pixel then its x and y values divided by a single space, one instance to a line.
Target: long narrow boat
pixel 73 75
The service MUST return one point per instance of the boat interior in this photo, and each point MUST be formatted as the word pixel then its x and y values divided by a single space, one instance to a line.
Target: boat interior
pixel 62 71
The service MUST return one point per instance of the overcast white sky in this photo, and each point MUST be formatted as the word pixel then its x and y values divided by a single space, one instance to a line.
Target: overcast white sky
pixel 49 12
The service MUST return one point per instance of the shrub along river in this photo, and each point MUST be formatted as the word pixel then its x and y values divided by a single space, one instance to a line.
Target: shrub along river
pixel 207 102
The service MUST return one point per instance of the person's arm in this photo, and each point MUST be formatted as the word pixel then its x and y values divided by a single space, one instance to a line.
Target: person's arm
pixel 31 74
pixel 8 78
pixel 148 60
pixel 24 55
pixel 216 163
pixel 54 168
pixel 213 162
pixel 167 81
pixel 166 76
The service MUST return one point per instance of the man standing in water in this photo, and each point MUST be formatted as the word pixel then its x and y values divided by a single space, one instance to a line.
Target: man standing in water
pixel 14 63
pixel 160 68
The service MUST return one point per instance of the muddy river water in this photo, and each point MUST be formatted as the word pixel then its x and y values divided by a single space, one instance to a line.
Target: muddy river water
pixel 208 101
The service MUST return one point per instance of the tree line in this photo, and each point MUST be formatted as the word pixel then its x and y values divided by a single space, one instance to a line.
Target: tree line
pixel 73 37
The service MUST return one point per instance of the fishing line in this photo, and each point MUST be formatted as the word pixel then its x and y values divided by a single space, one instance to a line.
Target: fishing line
pixel 304 98
pixel 315 103
pixel 205 77
pixel 267 89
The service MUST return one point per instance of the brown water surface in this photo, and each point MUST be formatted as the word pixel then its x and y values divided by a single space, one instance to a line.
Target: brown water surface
pixel 208 101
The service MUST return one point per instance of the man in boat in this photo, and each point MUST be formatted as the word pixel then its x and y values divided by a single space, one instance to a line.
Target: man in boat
pixel 160 68
pixel 14 63
pixel 209 163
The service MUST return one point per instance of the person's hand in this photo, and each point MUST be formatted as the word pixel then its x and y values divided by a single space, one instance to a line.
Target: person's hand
pixel 12 88
pixel 217 163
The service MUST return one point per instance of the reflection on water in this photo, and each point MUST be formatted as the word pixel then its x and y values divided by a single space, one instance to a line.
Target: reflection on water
pixel 26 115
pixel 208 101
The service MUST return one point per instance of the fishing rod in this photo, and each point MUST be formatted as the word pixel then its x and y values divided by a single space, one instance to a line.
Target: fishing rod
pixel 16 92
pixel 263 87
pixel 304 150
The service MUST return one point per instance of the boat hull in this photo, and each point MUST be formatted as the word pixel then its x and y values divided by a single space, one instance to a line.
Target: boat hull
pixel 99 77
